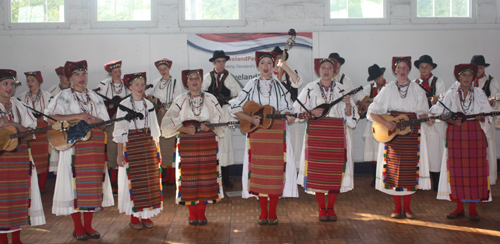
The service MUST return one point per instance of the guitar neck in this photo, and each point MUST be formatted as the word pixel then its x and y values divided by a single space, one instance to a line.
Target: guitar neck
pixel 494 113
pixel 222 124
pixel 416 121
pixel 88 127
pixel 30 132
pixel 280 116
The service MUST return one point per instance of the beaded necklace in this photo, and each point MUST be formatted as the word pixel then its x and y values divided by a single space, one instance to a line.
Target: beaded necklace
pixel 119 87
pixel 84 102
pixel 268 95
pixel 322 88
pixel 403 93
pixel 7 113
pixel 146 113
pixel 34 97
pixel 466 99
pixel 196 105
pixel 164 83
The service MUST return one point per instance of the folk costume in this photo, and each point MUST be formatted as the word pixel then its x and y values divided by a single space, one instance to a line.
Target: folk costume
pixel 139 181
pixel 465 168
pixel 225 85
pixel 395 176
pixel 57 88
pixel 196 162
pixel 370 150
pixel 54 154
pixel 166 91
pixel 82 183
pixel 326 164
pixel 21 202
pixel 39 147
pixel 273 159
pixel 294 128
pixel 110 89
pixel 436 133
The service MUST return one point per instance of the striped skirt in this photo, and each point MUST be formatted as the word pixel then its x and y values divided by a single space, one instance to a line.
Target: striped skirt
pixel 143 171
pixel 15 175
pixel 401 156
pixel 325 155
pixel 267 160
pixel 198 169
pixel 467 165
pixel 88 172
pixel 39 148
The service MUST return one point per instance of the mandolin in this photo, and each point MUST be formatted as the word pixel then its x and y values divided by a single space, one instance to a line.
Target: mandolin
pixel 404 126
pixel 197 124
pixel 267 115
pixel 79 130
pixel 327 106
pixel 361 111
pixel 10 137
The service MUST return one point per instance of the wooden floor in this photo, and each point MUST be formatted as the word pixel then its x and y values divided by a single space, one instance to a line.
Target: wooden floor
pixel 363 217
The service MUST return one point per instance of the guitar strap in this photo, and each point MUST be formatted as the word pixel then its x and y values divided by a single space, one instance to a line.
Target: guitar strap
pixel 38 112
pixel 295 98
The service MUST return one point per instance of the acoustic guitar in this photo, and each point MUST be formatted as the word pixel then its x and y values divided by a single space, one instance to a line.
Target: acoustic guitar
pixel 404 126
pixel 327 106
pixel 362 111
pixel 79 130
pixel 267 115
pixel 10 137
pixel 197 124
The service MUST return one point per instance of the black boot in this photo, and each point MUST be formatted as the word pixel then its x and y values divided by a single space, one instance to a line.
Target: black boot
pixel 435 180
pixel 225 178
pixel 374 168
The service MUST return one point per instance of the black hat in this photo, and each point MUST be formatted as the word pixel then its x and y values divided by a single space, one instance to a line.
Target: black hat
pixel 219 54
pixel 278 51
pixel 374 72
pixel 424 59
pixel 337 57
pixel 479 60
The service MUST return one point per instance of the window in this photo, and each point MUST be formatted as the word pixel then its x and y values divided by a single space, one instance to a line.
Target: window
pixel 123 13
pixel 342 9
pixel 356 12
pixel 37 11
pixel 212 12
pixel 443 11
pixel 443 8
pixel 123 10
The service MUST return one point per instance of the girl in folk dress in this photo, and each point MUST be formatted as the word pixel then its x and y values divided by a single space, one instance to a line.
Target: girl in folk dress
pixel 326 165
pixel 196 162
pixel 21 203
pixel 139 183
pixel 273 159
pixel 465 168
pixel 402 164
pixel 82 184
pixel 37 99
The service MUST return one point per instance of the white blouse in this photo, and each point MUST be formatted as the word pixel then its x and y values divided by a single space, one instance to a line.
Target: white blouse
pixel 181 110
pixel 264 92
pixel 36 103
pixel 109 89
pixel 66 102
pixel 167 90
pixel 390 99
pixel 120 134
pixel 480 104
pixel 19 114
pixel 311 96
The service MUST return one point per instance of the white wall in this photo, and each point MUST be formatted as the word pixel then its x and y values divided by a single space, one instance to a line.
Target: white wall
pixel 361 45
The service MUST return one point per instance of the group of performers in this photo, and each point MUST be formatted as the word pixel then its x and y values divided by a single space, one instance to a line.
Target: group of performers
pixel 165 135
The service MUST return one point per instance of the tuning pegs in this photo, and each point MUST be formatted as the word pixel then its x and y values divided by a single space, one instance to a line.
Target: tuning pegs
pixel 292 32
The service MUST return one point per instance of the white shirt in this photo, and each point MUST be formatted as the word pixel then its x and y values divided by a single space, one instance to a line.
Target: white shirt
pixel 166 90
pixel 19 114
pixel 38 104
pixel 109 89
pixel 230 83
pixel 120 133
pixel 66 103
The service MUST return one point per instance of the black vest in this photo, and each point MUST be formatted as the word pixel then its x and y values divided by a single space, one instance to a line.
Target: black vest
pixel 221 92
